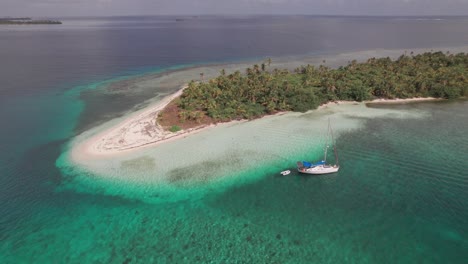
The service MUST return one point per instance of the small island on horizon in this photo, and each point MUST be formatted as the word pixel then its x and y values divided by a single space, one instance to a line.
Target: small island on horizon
pixel 27 21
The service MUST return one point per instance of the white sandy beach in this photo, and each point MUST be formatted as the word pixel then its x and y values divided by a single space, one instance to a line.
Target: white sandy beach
pixel 141 129
pixel 138 130
pixel 129 149
pixel 382 101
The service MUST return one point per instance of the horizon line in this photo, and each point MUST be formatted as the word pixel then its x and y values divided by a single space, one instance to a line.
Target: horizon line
pixel 228 15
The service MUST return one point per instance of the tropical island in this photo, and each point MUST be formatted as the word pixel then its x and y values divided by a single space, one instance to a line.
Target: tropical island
pixel 261 92
pixel 27 21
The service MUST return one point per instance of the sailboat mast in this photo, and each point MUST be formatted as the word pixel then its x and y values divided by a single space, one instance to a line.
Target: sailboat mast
pixel 334 145
pixel 328 140
pixel 336 155
pixel 325 155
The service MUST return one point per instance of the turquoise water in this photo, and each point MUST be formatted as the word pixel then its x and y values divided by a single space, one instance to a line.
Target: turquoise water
pixel 400 196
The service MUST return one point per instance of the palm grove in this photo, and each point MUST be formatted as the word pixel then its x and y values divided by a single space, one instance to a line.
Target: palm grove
pixel 260 91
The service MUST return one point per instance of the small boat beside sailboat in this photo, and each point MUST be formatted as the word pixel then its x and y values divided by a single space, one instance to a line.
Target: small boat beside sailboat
pixel 321 167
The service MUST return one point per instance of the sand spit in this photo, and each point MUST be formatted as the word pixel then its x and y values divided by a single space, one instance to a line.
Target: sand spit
pixel 142 130
pixel 138 130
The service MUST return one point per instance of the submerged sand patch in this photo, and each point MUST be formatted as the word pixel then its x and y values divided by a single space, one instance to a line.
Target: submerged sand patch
pixel 221 151
pixel 218 153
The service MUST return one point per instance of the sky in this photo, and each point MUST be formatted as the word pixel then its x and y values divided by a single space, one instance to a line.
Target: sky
pixel 60 8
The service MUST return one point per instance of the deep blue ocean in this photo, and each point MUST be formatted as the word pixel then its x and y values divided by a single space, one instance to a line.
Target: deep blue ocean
pixel 48 77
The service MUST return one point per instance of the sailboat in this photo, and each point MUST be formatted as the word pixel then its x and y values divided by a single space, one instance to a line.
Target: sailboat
pixel 321 167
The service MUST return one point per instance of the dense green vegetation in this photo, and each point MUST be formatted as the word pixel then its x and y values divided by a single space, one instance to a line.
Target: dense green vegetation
pixel 260 91
pixel 174 128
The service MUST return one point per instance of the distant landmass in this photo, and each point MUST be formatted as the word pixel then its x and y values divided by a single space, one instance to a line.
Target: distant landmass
pixel 27 21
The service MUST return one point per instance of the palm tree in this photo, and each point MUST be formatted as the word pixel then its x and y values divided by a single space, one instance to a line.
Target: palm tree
pixel 259 92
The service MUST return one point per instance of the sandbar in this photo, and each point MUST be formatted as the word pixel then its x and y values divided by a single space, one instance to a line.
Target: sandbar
pixel 138 130
pixel 142 130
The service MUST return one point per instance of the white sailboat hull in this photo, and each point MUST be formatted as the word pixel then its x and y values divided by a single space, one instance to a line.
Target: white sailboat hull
pixel 319 169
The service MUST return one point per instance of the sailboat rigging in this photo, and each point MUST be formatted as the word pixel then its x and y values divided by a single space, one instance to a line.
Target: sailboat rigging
pixel 321 167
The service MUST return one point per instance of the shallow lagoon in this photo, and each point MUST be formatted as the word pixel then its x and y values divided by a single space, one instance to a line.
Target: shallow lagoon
pixel 390 202
pixel 399 197
pixel 218 196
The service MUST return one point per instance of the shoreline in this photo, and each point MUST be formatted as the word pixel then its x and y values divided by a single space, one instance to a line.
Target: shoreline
pixel 102 143
pixel 141 130
pixel 383 101
pixel 404 101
